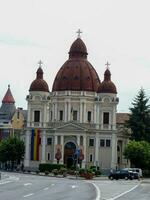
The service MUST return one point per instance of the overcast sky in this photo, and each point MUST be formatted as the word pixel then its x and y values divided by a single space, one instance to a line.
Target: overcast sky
pixel 117 31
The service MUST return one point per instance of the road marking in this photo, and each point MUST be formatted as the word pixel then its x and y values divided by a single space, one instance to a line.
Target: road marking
pixel 52 184
pixel 27 184
pixel 74 186
pixel 28 195
pixel 116 197
pixel 4 182
pixel 98 192
pixel 46 188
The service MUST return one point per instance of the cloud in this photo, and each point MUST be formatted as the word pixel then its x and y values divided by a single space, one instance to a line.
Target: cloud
pixel 9 39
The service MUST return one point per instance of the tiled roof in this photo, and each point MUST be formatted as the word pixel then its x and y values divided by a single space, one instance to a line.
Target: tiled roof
pixel 122 118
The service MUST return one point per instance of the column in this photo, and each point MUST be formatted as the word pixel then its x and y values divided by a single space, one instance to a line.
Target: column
pixel 62 149
pixel 114 118
pixel 55 145
pixel 55 112
pixel 78 140
pixel 29 117
pixel 84 113
pixel 43 160
pixel 69 111
pixel 95 113
pixel 84 151
pixel 96 149
pixel 81 111
pixel 27 148
pixel 114 151
pixel 66 111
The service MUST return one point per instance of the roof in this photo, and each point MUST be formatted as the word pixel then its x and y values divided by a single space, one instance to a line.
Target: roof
pixel 77 74
pixel 8 98
pixel 39 84
pixel 121 118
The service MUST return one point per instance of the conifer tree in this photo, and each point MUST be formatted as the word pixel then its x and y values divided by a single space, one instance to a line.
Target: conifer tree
pixel 139 119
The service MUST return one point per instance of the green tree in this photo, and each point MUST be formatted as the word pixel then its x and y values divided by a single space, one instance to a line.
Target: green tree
pixel 138 152
pixel 139 119
pixel 12 150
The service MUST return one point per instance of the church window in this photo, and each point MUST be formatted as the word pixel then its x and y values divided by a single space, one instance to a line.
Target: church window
pixel 91 158
pixel 75 115
pixel 36 116
pixel 106 118
pixel 89 116
pixel 49 141
pixel 107 143
pixel 91 142
pixel 60 115
pixel 102 142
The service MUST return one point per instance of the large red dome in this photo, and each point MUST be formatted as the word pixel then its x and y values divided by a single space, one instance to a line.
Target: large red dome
pixel 77 74
pixel 39 84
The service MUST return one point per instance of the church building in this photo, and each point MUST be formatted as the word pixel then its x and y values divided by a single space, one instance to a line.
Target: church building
pixel 78 118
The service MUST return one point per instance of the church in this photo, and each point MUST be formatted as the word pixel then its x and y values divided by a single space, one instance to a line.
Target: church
pixel 77 118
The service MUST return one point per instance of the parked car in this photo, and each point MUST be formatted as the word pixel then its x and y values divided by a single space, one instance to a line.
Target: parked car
pixel 122 174
pixel 137 170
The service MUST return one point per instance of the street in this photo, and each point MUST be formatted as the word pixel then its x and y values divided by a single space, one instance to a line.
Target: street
pixel 25 186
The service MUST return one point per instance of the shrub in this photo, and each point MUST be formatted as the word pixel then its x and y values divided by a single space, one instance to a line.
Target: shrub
pixel 49 167
pixel 55 172
pixel 98 173
pixel 46 172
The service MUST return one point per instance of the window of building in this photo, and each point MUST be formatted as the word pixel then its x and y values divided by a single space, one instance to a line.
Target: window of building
pixel 102 142
pixel 48 156
pixel 60 115
pixel 89 116
pixel 91 142
pixel 51 115
pixel 107 143
pixel 106 118
pixel 36 116
pixel 49 141
pixel 91 158
pixel 75 114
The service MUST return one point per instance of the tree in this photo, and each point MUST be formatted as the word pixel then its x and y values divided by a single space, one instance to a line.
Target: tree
pixel 138 152
pixel 12 150
pixel 139 119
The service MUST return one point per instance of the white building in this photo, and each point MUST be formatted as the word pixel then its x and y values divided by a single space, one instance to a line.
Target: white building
pixel 79 113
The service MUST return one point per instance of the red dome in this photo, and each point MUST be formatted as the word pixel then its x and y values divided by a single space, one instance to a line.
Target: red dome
pixel 107 86
pixel 77 74
pixel 39 84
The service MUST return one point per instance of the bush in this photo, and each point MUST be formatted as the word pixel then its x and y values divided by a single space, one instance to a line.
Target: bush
pixel 46 172
pixel 98 173
pixel 146 173
pixel 49 167
pixel 55 172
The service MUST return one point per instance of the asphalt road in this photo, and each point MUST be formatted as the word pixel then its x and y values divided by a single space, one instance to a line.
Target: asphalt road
pixel 15 186
pixel 19 186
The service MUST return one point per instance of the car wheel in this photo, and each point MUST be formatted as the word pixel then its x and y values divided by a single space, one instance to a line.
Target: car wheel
pixel 111 178
pixel 126 178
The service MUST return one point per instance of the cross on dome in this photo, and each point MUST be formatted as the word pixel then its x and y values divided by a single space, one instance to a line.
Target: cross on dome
pixel 107 64
pixel 79 32
pixel 40 63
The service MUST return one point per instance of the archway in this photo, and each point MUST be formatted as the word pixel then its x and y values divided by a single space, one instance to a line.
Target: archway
pixel 69 150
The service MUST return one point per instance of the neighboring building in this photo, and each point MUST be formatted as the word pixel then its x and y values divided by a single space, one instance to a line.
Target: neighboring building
pixel 11 119
pixel 79 113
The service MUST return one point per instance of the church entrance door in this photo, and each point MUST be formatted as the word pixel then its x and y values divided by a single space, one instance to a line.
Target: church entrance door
pixel 69 150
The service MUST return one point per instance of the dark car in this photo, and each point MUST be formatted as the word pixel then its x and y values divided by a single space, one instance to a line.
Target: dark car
pixel 121 174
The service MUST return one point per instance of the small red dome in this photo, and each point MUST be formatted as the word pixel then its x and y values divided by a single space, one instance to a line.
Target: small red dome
pixel 107 86
pixel 39 84
pixel 77 74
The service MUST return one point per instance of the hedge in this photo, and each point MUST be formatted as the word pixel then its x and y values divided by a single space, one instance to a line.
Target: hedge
pixel 49 167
